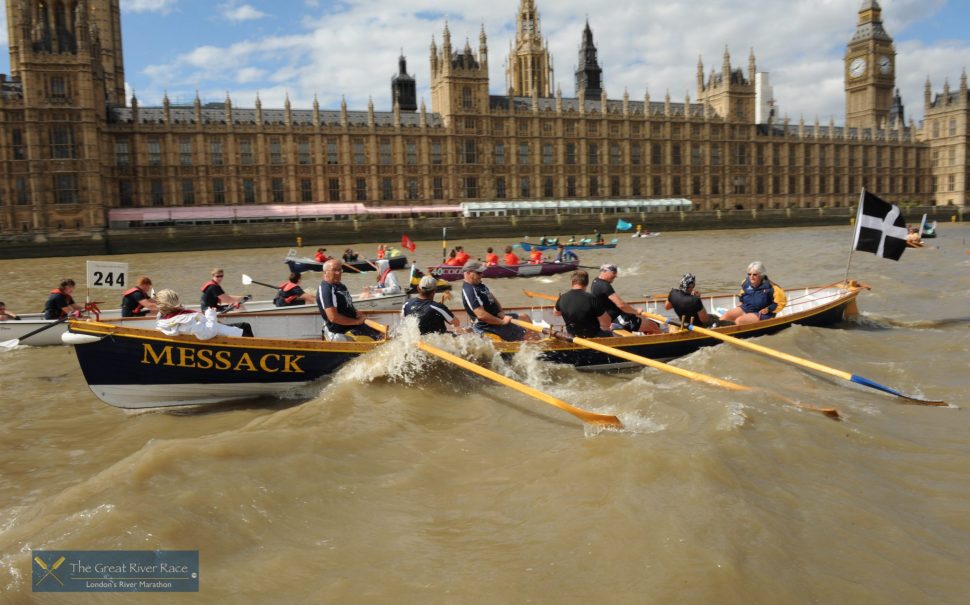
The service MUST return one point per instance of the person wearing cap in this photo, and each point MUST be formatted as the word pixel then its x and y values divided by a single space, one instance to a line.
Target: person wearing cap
pixel 686 303
pixel 481 304
pixel 584 315
pixel 341 321
pixel 622 314
pixel 433 317
pixel 175 319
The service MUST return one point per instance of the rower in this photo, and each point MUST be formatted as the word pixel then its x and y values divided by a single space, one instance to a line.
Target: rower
pixel 214 296
pixel 290 293
pixel 7 315
pixel 433 317
pixel 137 301
pixel 341 321
pixel 624 316
pixel 61 303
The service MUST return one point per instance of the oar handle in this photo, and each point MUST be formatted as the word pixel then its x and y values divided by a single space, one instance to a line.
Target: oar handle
pixel 377 326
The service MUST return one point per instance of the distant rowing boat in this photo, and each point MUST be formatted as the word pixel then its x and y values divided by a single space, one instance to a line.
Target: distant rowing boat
pixel 530 247
pixel 646 234
pixel 455 273
pixel 300 264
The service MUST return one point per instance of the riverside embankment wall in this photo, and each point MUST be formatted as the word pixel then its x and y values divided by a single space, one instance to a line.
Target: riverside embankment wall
pixel 323 233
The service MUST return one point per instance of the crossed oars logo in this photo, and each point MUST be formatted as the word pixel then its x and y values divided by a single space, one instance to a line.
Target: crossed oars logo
pixel 49 570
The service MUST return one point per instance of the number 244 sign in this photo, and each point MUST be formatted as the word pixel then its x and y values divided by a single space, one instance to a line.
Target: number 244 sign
pixel 107 275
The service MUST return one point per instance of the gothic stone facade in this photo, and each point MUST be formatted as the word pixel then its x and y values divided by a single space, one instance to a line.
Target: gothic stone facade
pixel 71 148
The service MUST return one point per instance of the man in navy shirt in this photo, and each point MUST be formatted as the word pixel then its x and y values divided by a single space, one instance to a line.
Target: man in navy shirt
pixel 433 317
pixel 341 321
pixel 482 306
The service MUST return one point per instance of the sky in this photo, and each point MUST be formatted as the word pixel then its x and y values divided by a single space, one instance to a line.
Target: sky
pixel 349 49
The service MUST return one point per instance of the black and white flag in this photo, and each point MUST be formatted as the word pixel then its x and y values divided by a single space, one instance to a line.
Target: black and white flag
pixel 880 227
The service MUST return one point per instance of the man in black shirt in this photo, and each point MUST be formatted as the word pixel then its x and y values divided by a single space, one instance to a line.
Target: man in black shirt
pixel 582 312
pixel 624 316
pixel 433 317
pixel 686 303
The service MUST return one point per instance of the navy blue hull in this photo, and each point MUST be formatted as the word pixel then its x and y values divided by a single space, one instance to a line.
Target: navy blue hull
pixel 123 360
pixel 304 264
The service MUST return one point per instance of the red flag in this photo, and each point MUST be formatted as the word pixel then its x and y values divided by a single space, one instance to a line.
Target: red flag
pixel 407 243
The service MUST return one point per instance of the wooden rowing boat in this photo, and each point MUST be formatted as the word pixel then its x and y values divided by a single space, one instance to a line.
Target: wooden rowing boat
pixel 138 367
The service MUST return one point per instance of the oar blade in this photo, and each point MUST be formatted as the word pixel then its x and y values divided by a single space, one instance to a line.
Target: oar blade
pixel 879 387
pixel 246 280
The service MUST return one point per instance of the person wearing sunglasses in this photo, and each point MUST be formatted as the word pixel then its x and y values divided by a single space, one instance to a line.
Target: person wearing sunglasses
pixel 759 299
pixel 214 296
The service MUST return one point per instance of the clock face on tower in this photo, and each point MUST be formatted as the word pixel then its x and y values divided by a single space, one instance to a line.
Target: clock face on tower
pixel 885 65
pixel 857 67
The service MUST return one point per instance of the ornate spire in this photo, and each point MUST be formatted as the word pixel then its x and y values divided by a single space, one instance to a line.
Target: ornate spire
pixel 588 74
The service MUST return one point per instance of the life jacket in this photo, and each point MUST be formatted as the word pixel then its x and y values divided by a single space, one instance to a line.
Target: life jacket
pixel 67 297
pixel 137 310
pixel 511 259
pixel 321 257
pixel 202 302
pixel 380 253
pixel 462 257
pixel 535 257
pixel 284 299
pixel 380 280
pixel 491 259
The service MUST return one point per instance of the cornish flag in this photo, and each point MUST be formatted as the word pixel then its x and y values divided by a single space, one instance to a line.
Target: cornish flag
pixel 880 227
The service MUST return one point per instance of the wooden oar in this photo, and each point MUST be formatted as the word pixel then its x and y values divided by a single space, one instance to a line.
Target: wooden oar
pixel 659 365
pixel 805 363
pixel 9 344
pixel 246 280
pixel 585 416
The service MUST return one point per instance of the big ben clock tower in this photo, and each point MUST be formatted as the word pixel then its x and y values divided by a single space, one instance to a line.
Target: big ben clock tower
pixel 870 71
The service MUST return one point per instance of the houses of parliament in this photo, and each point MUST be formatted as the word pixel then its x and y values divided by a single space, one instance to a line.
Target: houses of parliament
pixel 73 147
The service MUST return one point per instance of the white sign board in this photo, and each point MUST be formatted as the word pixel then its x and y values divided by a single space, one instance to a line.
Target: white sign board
pixel 107 275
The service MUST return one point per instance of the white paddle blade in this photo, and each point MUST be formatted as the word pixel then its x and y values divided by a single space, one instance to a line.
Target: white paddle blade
pixel 246 280
pixel 9 344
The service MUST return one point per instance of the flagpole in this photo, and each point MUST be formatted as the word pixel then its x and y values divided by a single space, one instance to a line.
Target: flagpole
pixel 444 244
pixel 855 233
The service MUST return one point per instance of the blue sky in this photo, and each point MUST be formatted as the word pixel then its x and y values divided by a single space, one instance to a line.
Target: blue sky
pixel 303 48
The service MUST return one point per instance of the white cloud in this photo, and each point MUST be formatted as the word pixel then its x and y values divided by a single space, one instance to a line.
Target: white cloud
pixel 148 6
pixel 237 13
pixel 350 49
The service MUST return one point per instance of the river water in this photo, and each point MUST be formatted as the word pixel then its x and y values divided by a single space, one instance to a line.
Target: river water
pixel 407 481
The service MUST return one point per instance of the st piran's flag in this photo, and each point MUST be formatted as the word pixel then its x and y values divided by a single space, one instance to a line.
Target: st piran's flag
pixel 880 227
